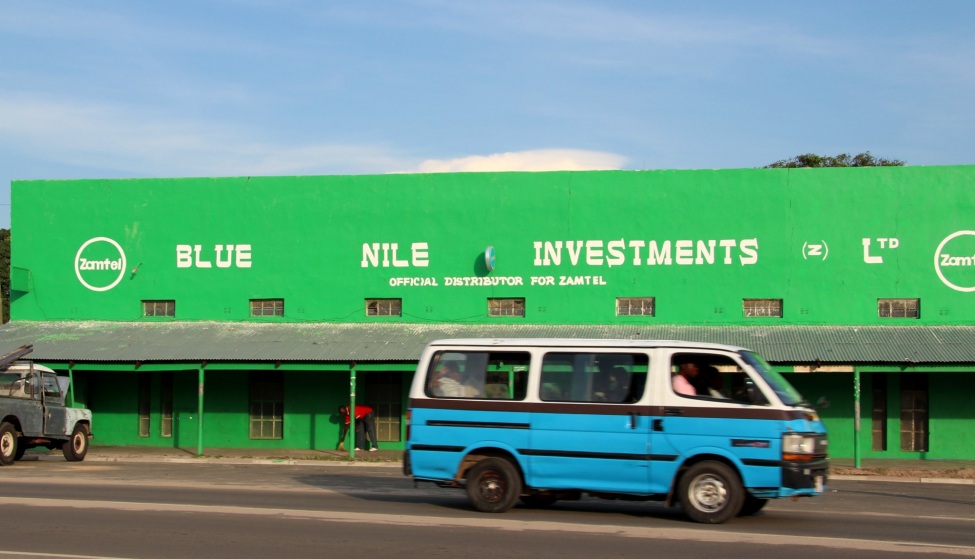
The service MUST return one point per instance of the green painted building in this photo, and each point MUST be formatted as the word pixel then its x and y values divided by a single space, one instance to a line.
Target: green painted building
pixel 241 312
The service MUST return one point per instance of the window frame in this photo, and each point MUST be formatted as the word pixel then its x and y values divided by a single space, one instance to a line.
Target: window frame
pixel 392 305
pixel 506 307
pixel 275 306
pixel 762 308
pixel 643 304
pixel 159 308
pixel 899 307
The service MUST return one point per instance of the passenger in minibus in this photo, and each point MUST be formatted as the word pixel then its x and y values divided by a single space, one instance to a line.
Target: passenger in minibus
pixel 686 372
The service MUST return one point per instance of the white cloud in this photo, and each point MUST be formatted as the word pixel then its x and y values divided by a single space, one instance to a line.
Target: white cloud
pixel 532 160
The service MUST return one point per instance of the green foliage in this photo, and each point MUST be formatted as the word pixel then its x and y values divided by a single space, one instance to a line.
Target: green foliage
pixel 5 272
pixel 841 160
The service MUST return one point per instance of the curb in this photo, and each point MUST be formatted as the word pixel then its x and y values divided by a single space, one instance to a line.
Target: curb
pixel 244 461
pixel 896 479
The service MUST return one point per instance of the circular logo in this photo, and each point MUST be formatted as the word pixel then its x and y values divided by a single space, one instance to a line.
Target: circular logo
pixel 100 264
pixel 489 258
pixel 954 261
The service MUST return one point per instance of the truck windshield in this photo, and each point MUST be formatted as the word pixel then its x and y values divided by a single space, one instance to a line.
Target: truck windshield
pixel 785 391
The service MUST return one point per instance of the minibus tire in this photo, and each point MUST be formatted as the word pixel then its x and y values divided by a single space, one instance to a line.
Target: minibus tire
pixel 751 505
pixel 538 501
pixel 710 493
pixel 493 485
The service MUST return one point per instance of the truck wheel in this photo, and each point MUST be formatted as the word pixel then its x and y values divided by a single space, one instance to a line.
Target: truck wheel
pixel 8 444
pixel 710 493
pixel 493 485
pixel 21 449
pixel 76 447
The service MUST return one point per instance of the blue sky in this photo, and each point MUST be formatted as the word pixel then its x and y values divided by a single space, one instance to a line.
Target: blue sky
pixel 109 89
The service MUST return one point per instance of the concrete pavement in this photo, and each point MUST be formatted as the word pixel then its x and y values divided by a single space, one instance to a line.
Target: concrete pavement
pixel 916 471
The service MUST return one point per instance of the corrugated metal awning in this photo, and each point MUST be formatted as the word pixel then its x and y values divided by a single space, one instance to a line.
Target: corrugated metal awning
pixel 107 342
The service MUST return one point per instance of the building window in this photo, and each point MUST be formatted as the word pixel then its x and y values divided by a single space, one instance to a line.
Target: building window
pixel 267 307
pixel 386 396
pixel 166 406
pixel 879 412
pixel 159 308
pixel 914 412
pixel 762 307
pixel 384 307
pixel 899 308
pixel 635 306
pixel 266 405
pixel 145 389
pixel 506 307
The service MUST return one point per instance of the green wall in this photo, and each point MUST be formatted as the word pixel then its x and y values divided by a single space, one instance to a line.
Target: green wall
pixel 720 236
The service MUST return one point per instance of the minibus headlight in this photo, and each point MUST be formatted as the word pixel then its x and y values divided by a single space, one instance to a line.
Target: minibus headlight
pixel 798 448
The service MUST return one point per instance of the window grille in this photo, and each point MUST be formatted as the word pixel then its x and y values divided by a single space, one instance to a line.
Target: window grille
pixel 267 307
pixel 506 307
pixel 762 307
pixel 635 306
pixel 159 308
pixel 384 307
pixel 899 308
pixel 266 405
pixel 914 411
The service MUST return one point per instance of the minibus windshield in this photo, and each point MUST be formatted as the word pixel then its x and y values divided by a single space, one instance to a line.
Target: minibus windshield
pixel 783 389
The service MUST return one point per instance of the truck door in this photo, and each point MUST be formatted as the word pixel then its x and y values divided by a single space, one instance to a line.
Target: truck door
pixel 52 399
pixel 32 419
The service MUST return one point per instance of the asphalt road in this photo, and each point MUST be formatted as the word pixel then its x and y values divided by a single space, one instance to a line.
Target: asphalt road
pixel 144 510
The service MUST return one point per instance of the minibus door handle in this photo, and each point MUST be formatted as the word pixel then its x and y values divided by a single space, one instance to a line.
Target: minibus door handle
pixel 633 420
pixel 658 424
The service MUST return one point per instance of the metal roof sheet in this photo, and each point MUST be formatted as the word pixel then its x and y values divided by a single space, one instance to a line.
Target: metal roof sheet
pixel 95 341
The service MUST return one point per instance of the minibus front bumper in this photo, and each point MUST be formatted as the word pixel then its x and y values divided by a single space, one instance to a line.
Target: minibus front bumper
pixel 804 478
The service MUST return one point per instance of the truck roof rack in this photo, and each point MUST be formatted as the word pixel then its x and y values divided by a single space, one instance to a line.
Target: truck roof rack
pixel 8 358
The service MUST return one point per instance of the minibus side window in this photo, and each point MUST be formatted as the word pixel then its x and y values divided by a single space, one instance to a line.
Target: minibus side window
pixel 478 375
pixel 614 378
pixel 713 377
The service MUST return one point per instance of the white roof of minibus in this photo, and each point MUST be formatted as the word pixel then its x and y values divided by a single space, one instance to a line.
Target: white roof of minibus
pixel 580 342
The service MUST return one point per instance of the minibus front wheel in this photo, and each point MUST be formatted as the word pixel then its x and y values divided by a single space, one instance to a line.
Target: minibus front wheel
pixel 493 485
pixel 710 492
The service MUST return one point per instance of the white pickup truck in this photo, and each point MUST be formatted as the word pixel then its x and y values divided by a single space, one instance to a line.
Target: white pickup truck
pixel 33 414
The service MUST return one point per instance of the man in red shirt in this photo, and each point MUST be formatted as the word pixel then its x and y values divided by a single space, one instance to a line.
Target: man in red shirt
pixel 365 422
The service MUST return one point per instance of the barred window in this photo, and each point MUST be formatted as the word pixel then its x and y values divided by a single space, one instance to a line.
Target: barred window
pixel 899 308
pixel 159 308
pixel 506 307
pixel 266 405
pixel 384 307
pixel 267 307
pixel 635 306
pixel 762 307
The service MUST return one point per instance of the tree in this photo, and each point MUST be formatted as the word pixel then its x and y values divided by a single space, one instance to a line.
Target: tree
pixel 5 272
pixel 841 160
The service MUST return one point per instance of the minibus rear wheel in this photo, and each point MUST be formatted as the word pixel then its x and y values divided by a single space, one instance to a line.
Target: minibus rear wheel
pixel 711 493
pixel 493 485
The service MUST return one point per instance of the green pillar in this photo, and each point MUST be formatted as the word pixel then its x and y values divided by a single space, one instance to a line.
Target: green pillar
pixel 199 414
pixel 352 411
pixel 70 399
pixel 856 417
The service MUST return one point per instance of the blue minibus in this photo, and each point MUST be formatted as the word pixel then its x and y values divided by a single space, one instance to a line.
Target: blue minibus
pixel 710 428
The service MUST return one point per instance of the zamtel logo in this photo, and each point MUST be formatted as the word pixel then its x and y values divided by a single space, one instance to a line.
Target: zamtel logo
pixel 100 264
pixel 954 261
